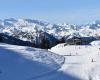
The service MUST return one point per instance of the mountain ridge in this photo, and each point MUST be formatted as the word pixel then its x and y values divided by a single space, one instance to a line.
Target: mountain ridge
pixel 28 29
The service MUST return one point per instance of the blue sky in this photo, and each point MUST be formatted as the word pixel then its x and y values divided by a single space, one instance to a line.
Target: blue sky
pixel 54 11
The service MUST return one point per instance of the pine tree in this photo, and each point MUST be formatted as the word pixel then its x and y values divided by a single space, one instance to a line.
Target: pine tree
pixel 1 38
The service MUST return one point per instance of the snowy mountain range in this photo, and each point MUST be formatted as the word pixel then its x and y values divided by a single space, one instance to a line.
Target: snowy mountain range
pixel 61 62
pixel 28 29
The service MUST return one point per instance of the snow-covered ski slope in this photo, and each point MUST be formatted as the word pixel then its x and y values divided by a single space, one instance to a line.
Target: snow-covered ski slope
pixel 80 61
pixel 63 62
pixel 25 63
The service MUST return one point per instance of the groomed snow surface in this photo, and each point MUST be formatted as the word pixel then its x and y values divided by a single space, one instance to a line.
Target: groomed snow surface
pixel 80 61
pixel 25 63
pixel 63 62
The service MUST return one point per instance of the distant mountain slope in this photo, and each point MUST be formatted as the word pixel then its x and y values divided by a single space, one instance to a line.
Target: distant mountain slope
pixel 11 40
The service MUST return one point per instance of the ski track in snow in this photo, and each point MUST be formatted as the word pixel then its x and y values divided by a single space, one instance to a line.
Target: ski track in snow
pixel 80 61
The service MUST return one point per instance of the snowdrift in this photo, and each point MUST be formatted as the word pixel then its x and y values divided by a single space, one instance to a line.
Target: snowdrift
pixel 95 43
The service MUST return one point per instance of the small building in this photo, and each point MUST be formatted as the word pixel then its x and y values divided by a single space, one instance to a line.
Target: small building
pixel 80 40
pixel 74 41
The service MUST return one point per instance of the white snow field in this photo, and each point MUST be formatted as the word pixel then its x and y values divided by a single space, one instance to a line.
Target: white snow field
pixel 25 63
pixel 95 43
pixel 80 61
pixel 62 62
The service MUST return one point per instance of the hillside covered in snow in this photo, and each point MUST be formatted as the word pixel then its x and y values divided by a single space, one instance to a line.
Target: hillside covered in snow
pixel 25 63
pixel 80 61
pixel 65 61
pixel 59 63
